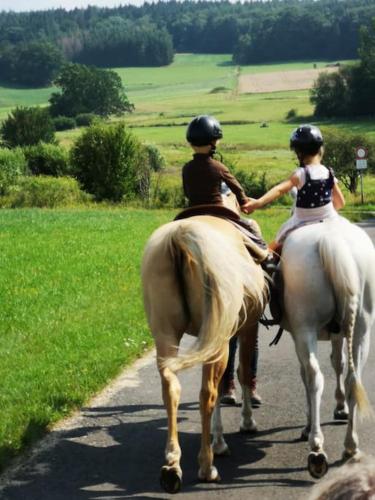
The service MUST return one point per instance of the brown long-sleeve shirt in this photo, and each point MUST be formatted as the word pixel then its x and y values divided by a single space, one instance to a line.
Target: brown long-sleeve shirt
pixel 202 177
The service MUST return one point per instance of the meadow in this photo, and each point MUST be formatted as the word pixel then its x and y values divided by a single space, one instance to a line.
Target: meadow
pixel 72 314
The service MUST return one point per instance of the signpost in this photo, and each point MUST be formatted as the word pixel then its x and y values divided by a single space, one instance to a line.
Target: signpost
pixel 361 154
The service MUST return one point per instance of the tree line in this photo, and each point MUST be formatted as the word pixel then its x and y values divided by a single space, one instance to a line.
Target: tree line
pixel 350 91
pixel 149 35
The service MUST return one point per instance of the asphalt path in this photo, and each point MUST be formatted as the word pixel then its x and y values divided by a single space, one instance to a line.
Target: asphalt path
pixel 114 448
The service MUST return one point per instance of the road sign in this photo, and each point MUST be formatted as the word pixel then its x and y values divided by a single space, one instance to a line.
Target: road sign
pixel 361 164
pixel 361 153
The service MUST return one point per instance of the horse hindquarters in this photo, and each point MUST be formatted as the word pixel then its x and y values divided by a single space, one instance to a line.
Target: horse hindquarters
pixel 207 274
pixel 327 272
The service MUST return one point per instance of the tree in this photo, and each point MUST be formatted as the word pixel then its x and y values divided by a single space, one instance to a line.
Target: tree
pixel 85 89
pixel 109 161
pixel 363 83
pixel 117 42
pixel 339 154
pixel 34 64
pixel 351 91
pixel 27 126
pixel 331 94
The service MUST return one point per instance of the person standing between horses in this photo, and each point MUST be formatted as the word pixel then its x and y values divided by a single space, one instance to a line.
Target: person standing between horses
pixel 318 197
pixel 203 181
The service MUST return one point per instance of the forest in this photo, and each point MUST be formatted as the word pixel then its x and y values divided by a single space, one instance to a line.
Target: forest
pixel 149 35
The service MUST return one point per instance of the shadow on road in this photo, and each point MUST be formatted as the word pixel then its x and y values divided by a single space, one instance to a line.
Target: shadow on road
pixel 121 458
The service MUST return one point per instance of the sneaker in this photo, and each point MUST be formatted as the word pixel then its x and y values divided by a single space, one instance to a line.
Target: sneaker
pixel 255 399
pixel 228 396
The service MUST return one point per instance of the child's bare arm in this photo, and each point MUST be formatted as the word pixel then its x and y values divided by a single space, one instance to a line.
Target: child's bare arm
pixel 272 194
pixel 338 199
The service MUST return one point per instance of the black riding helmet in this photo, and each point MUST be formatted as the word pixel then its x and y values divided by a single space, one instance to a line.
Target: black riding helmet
pixel 202 130
pixel 306 139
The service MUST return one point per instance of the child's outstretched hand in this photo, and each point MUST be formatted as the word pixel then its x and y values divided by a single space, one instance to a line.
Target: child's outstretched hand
pixel 250 205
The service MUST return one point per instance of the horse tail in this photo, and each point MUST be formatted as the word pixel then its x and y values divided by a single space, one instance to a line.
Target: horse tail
pixel 342 273
pixel 221 279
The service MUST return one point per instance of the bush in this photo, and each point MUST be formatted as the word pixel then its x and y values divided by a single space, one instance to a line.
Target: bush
pixel 168 197
pixel 27 126
pixel 253 184
pixel 45 192
pixel 47 159
pixel 85 119
pixel 291 114
pixel 340 155
pixel 64 123
pixel 12 166
pixel 110 162
pixel 156 161
pixel 330 93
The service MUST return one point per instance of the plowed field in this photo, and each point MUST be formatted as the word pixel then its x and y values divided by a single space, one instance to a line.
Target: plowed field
pixel 280 80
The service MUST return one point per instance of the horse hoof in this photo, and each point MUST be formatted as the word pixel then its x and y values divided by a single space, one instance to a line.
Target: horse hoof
pixel 352 457
pixel 250 428
pixel 170 479
pixel 221 450
pixel 340 415
pixel 317 464
pixel 210 476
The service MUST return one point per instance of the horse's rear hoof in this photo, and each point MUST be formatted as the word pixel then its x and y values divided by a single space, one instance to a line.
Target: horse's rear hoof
pixel 170 480
pixel 317 464
pixel 342 415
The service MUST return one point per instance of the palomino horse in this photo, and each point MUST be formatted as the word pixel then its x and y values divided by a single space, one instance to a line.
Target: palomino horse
pixel 198 278
pixel 328 270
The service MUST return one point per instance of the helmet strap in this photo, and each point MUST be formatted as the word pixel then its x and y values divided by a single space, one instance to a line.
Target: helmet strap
pixel 213 149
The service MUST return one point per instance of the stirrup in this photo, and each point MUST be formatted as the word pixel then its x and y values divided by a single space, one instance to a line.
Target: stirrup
pixel 268 321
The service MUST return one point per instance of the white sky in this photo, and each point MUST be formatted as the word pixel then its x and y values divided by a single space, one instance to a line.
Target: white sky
pixel 27 5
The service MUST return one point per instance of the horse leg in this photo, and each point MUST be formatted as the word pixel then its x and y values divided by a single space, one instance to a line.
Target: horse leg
pixel 360 354
pixel 338 363
pixel 219 444
pixel 247 340
pixel 211 376
pixel 306 347
pixel 171 473
pixel 306 430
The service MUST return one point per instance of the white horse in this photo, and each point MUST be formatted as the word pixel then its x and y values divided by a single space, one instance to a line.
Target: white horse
pixel 328 270
pixel 198 278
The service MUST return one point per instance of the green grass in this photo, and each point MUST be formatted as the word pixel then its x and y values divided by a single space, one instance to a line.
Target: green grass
pixel 71 313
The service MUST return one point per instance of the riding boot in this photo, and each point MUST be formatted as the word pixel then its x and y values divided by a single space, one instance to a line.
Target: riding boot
pixel 228 396
pixel 269 265
pixel 275 294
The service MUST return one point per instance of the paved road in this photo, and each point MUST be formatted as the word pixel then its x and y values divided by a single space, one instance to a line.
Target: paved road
pixel 114 448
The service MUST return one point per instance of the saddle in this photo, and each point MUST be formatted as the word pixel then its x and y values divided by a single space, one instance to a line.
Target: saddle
pixel 253 241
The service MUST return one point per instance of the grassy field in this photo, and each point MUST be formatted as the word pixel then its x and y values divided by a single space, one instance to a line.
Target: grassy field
pixel 167 98
pixel 72 313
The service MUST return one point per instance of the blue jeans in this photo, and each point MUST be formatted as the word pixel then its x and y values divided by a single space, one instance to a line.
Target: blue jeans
pixel 229 371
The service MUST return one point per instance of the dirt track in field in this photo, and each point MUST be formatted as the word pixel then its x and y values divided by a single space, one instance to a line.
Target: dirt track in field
pixel 280 80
